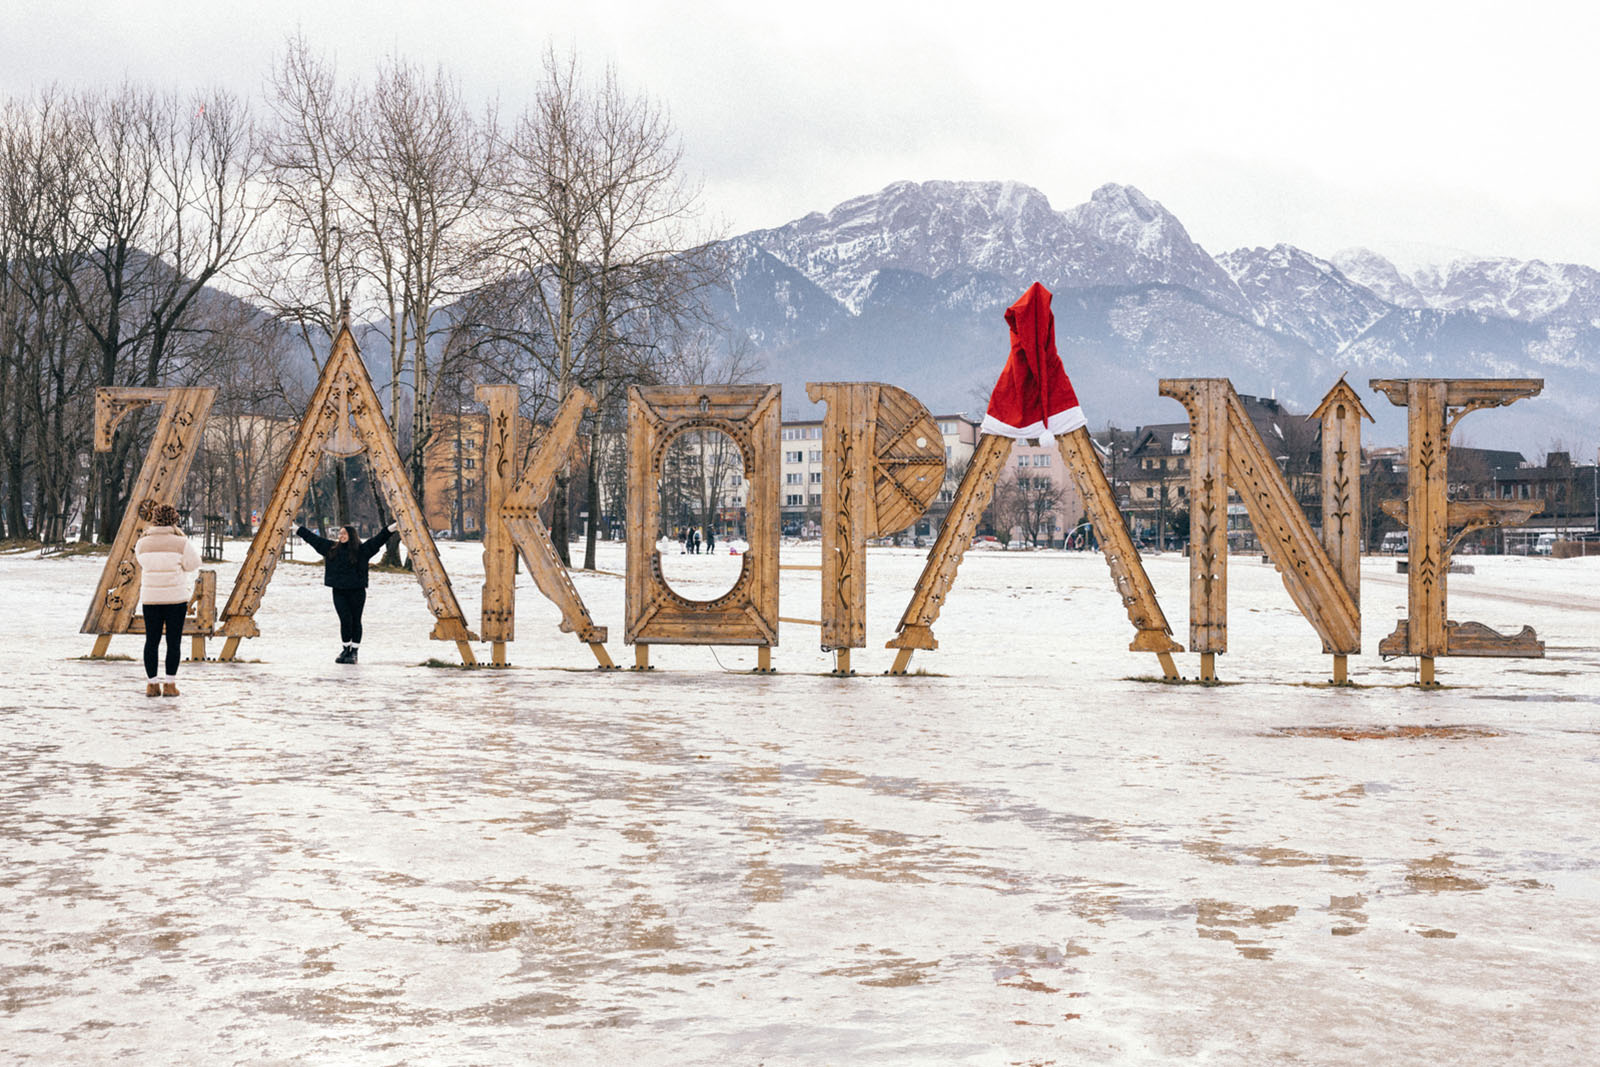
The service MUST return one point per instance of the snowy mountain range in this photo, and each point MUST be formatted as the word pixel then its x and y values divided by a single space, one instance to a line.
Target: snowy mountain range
pixel 909 286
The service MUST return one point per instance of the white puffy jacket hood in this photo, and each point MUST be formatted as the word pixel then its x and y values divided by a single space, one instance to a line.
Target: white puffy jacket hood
pixel 167 562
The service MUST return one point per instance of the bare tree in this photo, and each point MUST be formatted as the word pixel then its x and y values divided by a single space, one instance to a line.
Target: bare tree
pixel 310 271
pixel 163 195
pixel 1025 503
pixel 594 214
pixel 424 164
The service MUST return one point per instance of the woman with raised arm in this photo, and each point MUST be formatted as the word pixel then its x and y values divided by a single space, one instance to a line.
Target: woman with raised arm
pixel 167 562
pixel 344 571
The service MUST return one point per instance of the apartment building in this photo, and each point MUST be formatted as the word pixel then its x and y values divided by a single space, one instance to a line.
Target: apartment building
pixel 800 494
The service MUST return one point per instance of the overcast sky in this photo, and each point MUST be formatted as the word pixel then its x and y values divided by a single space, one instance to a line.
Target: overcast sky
pixel 1421 130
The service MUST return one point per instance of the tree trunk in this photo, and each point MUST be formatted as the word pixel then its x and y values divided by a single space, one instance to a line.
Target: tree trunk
pixel 592 494
pixel 341 490
pixel 391 550
pixel 558 518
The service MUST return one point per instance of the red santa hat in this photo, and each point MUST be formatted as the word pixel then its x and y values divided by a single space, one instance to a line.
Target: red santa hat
pixel 1033 397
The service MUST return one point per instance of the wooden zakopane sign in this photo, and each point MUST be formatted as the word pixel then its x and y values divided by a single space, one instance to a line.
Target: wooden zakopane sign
pixel 915 630
pixel 179 429
pixel 1434 407
pixel 1225 451
pixel 1340 414
pixel 883 464
pixel 1154 634
pixel 514 524
pixel 748 613
pixel 344 416
pixel 498 608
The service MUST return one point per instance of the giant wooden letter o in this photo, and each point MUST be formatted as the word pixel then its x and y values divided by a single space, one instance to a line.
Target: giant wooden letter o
pixel 748 613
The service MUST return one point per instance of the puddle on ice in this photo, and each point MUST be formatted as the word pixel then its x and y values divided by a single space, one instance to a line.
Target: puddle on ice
pixel 1220 920
pixel 1387 732
pixel 1439 874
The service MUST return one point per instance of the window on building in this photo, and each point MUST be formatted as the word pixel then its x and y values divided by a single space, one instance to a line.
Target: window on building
pixel 472 522
pixel 469 463
pixel 469 483
pixel 1183 491
pixel 792 457
pixel 816 477
pixel 816 455
pixel 816 498
pixel 814 433
pixel 1149 492
pixel 1022 461
pixel 794 479
pixel 794 500
pixel 947 453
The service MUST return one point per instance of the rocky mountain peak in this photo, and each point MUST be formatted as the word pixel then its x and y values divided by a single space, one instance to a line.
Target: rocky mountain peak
pixel 1366 267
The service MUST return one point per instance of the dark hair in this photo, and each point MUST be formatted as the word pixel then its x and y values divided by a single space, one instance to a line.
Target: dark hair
pixel 166 515
pixel 351 544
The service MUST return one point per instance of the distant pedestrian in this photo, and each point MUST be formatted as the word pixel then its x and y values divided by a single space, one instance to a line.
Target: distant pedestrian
pixel 167 562
pixel 344 570
pixel 711 540
pixel 694 542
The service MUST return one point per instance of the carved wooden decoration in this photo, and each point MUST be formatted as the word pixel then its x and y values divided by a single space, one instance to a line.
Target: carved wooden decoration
pixel 915 629
pixel 883 464
pixel 955 537
pixel 1434 406
pixel 1340 413
pixel 748 613
pixel 517 510
pixel 1225 450
pixel 344 413
pixel 1127 569
pixel 199 618
pixel 498 608
pixel 172 449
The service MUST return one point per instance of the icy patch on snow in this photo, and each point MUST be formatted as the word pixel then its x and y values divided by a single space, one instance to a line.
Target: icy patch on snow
pixel 1026 855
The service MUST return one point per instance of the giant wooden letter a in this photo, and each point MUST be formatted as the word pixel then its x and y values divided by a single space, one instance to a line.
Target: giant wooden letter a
pixel 344 417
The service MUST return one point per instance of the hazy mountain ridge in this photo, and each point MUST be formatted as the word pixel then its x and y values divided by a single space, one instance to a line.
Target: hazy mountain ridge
pixel 908 286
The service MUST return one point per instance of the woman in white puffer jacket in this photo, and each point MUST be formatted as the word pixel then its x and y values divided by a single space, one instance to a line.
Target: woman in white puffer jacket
pixel 167 562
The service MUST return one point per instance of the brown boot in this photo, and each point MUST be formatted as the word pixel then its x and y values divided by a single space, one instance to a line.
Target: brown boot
pixel 152 689
pixel 169 689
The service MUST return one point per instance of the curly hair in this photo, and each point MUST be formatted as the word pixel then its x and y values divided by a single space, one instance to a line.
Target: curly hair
pixel 165 515
pixel 147 508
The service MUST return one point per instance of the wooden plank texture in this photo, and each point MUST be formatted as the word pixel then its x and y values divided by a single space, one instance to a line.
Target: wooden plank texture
pixel 748 613
pixel 1116 544
pixel 179 429
pixel 343 406
pixel 519 511
pixel 497 620
pixel 1434 407
pixel 883 464
pixel 915 629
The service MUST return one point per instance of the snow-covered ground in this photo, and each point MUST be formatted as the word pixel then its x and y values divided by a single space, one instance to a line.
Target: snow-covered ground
pixel 1029 854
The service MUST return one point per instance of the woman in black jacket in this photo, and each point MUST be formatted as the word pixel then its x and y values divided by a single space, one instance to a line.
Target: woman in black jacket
pixel 344 570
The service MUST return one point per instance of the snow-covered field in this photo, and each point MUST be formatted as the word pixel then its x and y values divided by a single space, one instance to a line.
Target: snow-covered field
pixel 1030 854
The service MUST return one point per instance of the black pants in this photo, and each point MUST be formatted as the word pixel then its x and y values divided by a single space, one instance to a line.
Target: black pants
pixel 159 617
pixel 349 604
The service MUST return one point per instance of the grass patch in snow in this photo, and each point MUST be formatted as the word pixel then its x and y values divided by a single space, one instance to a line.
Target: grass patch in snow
pixel 451 665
